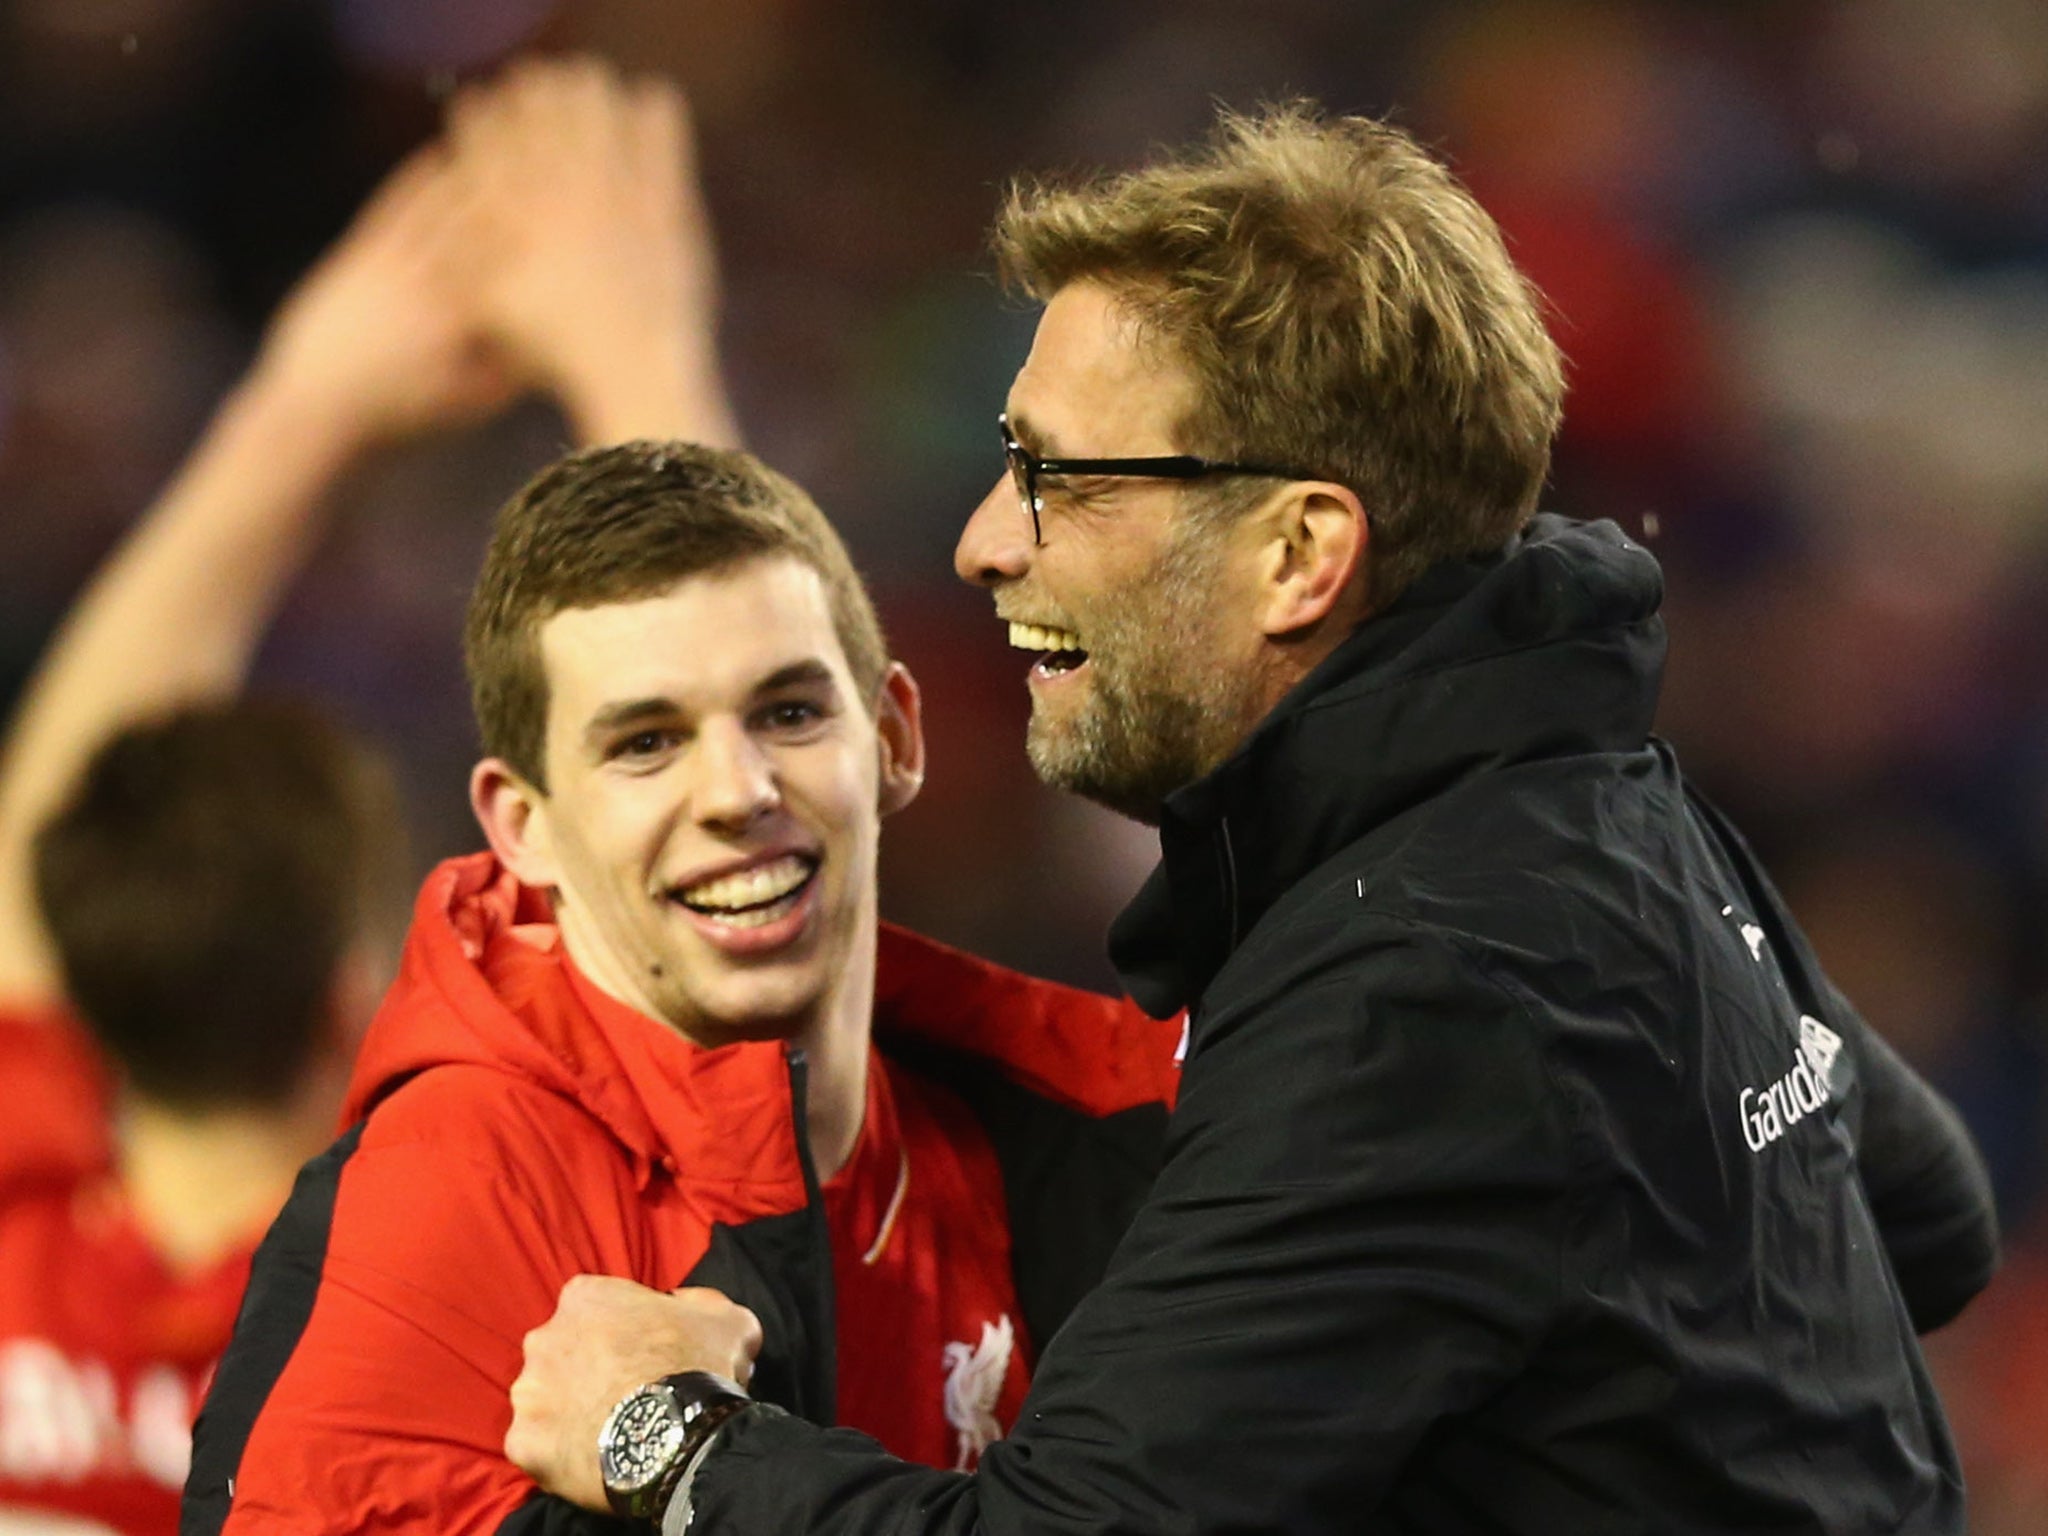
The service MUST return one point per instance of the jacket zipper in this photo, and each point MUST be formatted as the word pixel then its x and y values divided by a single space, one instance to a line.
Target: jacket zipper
pixel 825 1325
pixel 1229 879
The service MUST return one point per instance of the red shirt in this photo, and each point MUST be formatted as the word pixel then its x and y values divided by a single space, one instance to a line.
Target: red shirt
pixel 920 1253
pixel 932 1358
pixel 56 1093
pixel 105 1350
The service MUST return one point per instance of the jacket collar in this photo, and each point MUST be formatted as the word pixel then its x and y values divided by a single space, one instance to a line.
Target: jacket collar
pixel 483 983
pixel 1549 648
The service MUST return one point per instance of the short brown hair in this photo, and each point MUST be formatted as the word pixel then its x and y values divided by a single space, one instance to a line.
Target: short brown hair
pixel 202 885
pixel 621 523
pixel 1345 307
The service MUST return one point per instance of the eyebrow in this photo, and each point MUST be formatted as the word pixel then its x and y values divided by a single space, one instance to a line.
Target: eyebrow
pixel 615 717
pixel 809 670
pixel 1039 442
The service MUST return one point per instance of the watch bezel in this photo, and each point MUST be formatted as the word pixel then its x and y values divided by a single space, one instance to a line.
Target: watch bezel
pixel 622 1488
pixel 691 1405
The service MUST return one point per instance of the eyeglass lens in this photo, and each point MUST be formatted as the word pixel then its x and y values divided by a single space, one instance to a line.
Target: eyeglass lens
pixel 1023 476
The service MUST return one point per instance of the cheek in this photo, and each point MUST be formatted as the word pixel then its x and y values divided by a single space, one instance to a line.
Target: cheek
pixel 616 835
pixel 848 802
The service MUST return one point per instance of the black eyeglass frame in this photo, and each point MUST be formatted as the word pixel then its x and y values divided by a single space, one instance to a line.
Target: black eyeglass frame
pixel 1026 466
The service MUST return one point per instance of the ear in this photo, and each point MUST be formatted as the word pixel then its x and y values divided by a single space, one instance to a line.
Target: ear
pixel 1318 540
pixel 513 815
pixel 899 727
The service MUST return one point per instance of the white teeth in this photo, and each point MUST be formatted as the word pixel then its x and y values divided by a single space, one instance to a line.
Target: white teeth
pixel 1037 637
pixel 753 918
pixel 749 888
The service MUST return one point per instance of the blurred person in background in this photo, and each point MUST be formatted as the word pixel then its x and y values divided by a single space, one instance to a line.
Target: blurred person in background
pixel 655 1033
pixel 1527 1172
pixel 209 885
pixel 212 886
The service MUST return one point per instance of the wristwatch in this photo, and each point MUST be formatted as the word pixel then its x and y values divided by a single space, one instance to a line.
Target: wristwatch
pixel 656 1432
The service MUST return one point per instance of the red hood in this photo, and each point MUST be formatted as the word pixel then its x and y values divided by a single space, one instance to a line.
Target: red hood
pixel 481 983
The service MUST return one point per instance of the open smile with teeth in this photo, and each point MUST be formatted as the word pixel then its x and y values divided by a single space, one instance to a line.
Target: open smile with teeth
pixel 1062 646
pixel 752 897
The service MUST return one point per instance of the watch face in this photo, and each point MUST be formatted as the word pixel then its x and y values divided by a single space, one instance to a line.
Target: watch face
pixel 641 1440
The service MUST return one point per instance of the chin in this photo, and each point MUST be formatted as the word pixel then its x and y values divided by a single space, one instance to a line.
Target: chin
pixel 777 1014
pixel 1139 801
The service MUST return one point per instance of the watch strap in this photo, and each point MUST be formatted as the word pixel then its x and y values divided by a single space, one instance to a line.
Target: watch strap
pixel 675 1499
pixel 673 1491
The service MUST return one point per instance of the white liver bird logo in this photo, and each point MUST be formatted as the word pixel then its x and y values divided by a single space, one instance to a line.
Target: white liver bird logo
pixel 974 1382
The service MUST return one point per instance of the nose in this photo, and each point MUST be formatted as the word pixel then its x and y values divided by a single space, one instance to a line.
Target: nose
pixel 733 778
pixel 995 546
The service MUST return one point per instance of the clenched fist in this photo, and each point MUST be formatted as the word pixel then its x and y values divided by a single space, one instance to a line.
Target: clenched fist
pixel 607 1338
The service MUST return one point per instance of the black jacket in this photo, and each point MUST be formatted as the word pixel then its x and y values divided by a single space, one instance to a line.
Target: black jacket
pixel 1527 1174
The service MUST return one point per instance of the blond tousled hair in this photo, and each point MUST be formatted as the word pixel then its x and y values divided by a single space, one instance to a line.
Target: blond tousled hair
pixel 1345 306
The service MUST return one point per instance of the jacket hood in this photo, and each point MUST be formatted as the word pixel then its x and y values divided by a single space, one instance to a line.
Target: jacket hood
pixel 1551 648
pixel 484 984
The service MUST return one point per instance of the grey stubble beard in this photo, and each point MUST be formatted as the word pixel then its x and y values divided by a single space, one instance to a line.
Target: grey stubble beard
pixel 1157 717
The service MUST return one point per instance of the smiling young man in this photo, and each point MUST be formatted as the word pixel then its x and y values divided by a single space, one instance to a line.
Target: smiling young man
pixel 658 1033
pixel 696 731
pixel 1468 1222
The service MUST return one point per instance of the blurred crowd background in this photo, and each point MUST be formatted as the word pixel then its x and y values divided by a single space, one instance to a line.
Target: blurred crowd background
pixel 1796 250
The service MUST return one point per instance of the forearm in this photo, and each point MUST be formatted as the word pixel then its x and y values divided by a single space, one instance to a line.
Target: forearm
pixel 1287 1318
pixel 174 616
pixel 1199 1402
pixel 841 1483
pixel 1927 1185
pixel 660 387
pixel 205 569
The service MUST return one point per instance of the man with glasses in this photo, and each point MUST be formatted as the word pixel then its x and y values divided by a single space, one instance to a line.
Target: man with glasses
pixel 1527 1173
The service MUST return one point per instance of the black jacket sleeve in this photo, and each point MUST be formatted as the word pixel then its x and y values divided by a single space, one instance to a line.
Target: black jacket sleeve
pixel 1364 1187
pixel 1927 1184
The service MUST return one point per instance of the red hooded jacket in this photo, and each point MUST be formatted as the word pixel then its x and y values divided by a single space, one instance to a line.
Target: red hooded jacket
pixel 510 1127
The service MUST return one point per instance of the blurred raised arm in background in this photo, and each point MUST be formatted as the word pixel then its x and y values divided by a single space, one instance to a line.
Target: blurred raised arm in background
pixel 371 346
pixel 211 885
pixel 602 284
pixel 558 240
pixel 205 881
